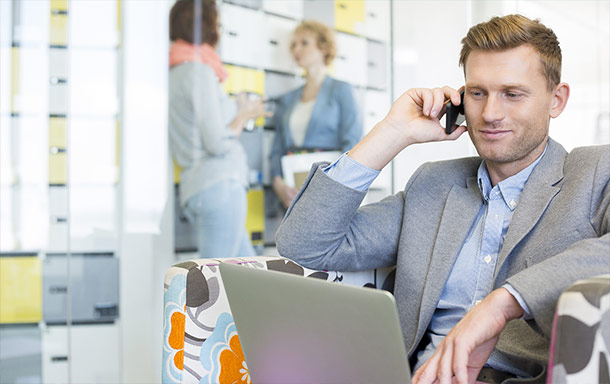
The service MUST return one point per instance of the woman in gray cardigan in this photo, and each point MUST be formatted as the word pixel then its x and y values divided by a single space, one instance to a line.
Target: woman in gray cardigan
pixel 204 126
pixel 322 114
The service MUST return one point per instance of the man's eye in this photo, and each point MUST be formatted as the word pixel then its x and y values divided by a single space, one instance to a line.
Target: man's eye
pixel 512 95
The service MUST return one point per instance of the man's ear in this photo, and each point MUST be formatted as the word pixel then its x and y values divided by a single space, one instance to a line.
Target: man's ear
pixel 560 99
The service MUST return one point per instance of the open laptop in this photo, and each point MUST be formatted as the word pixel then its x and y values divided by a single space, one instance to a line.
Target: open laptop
pixel 295 329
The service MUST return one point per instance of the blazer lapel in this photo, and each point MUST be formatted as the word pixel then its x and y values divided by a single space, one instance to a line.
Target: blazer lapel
pixel 542 185
pixel 461 209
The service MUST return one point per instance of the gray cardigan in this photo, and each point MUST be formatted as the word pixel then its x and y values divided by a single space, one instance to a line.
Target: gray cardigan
pixel 201 143
pixel 560 232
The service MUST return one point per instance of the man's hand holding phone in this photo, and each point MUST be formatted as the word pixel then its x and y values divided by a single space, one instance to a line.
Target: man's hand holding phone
pixel 413 118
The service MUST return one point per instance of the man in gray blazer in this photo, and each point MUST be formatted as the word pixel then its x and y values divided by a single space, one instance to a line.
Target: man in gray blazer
pixel 483 246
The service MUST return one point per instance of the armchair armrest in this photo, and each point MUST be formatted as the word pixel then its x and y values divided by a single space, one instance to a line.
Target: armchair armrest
pixel 580 343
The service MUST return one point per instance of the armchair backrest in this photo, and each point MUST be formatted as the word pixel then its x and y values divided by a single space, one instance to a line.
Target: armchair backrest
pixel 200 342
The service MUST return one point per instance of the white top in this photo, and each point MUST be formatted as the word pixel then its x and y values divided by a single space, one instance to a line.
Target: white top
pixel 299 119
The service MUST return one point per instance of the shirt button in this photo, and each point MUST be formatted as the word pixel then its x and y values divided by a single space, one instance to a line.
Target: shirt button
pixel 487 259
pixel 477 302
pixel 512 204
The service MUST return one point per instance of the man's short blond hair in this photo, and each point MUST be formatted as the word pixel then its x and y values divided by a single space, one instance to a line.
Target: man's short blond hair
pixel 325 38
pixel 511 31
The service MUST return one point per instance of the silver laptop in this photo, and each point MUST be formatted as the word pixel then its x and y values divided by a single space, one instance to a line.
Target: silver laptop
pixel 295 329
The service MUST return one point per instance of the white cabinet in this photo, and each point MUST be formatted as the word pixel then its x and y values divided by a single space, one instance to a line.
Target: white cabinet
pixel 377 19
pixel 377 64
pixel 93 144
pixel 30 149
pixel 6 23
pixel 5 78
pixel 254 4
pixel 93 82
pixel 288 8
pixel 6 162
pixel 58 202
pixel 94 24
pixel 277 84
pixel 94 354
pixel 376 106
pixel 93 226
pixel 30 204
pixel 276 44
pixel 30 79
pixel 30 22
pixel 350 64
pixel 241 41
pixel 322 11
pixel 59 94
pixel 58 63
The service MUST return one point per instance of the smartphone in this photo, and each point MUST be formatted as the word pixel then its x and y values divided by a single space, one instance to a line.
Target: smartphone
pixel 454 115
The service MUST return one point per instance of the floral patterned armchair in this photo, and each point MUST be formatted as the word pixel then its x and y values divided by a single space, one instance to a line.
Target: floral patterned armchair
pixel 200 343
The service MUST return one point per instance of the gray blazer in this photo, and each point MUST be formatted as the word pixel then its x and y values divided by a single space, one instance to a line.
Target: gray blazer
pixel 559 233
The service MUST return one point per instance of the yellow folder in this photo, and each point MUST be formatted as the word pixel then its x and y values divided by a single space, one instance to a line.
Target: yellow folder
pixel 20 290
pixel 349 16
pixel 255 219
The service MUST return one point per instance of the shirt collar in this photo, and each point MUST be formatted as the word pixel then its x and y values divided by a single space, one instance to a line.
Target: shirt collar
pixel 508 189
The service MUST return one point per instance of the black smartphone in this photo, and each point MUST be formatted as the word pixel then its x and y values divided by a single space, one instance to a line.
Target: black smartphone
pixel 454 115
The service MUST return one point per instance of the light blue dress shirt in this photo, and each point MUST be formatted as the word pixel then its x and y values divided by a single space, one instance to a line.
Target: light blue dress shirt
pixel 471 278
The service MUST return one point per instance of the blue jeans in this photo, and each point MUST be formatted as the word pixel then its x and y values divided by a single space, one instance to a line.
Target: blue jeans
pixel 219 212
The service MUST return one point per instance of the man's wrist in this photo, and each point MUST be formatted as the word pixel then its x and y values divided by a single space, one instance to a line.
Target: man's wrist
pixel 511 309
pixel 396 130
pixel 379 146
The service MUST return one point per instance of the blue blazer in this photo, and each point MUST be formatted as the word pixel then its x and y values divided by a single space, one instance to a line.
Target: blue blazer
pixel 335 123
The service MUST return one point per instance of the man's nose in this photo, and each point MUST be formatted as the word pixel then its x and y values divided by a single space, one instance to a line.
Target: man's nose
pixel 493 110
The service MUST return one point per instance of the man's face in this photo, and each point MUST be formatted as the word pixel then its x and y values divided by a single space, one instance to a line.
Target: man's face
pixel 507 105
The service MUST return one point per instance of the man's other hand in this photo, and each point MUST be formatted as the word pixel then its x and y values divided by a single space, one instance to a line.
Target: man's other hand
pixel 465 350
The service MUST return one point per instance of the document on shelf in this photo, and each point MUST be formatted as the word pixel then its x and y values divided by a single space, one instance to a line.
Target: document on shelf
pixel 296 167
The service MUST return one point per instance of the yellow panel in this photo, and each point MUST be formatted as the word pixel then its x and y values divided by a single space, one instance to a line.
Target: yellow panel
pixel 20 290
pixel 60 5
pixel 118 17
pixel 59 29
pixel 244 80
pixel 57 168
pixel 15 58
pixel 57 132
pixel 255 220
pixel 349 15
pixel 177 171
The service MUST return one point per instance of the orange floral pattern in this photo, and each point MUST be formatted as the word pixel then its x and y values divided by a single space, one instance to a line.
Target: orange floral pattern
pixel 233 364
pixel 173 330
pixel 176 338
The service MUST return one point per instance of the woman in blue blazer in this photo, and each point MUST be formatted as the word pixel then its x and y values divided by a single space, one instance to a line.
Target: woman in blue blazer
pixel 320 115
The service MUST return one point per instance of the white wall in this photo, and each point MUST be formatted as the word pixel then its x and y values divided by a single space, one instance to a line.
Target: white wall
pixel 426 42
pixel 427 38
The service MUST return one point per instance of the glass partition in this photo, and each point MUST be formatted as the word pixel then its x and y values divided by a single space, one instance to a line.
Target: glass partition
pixel 59 297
